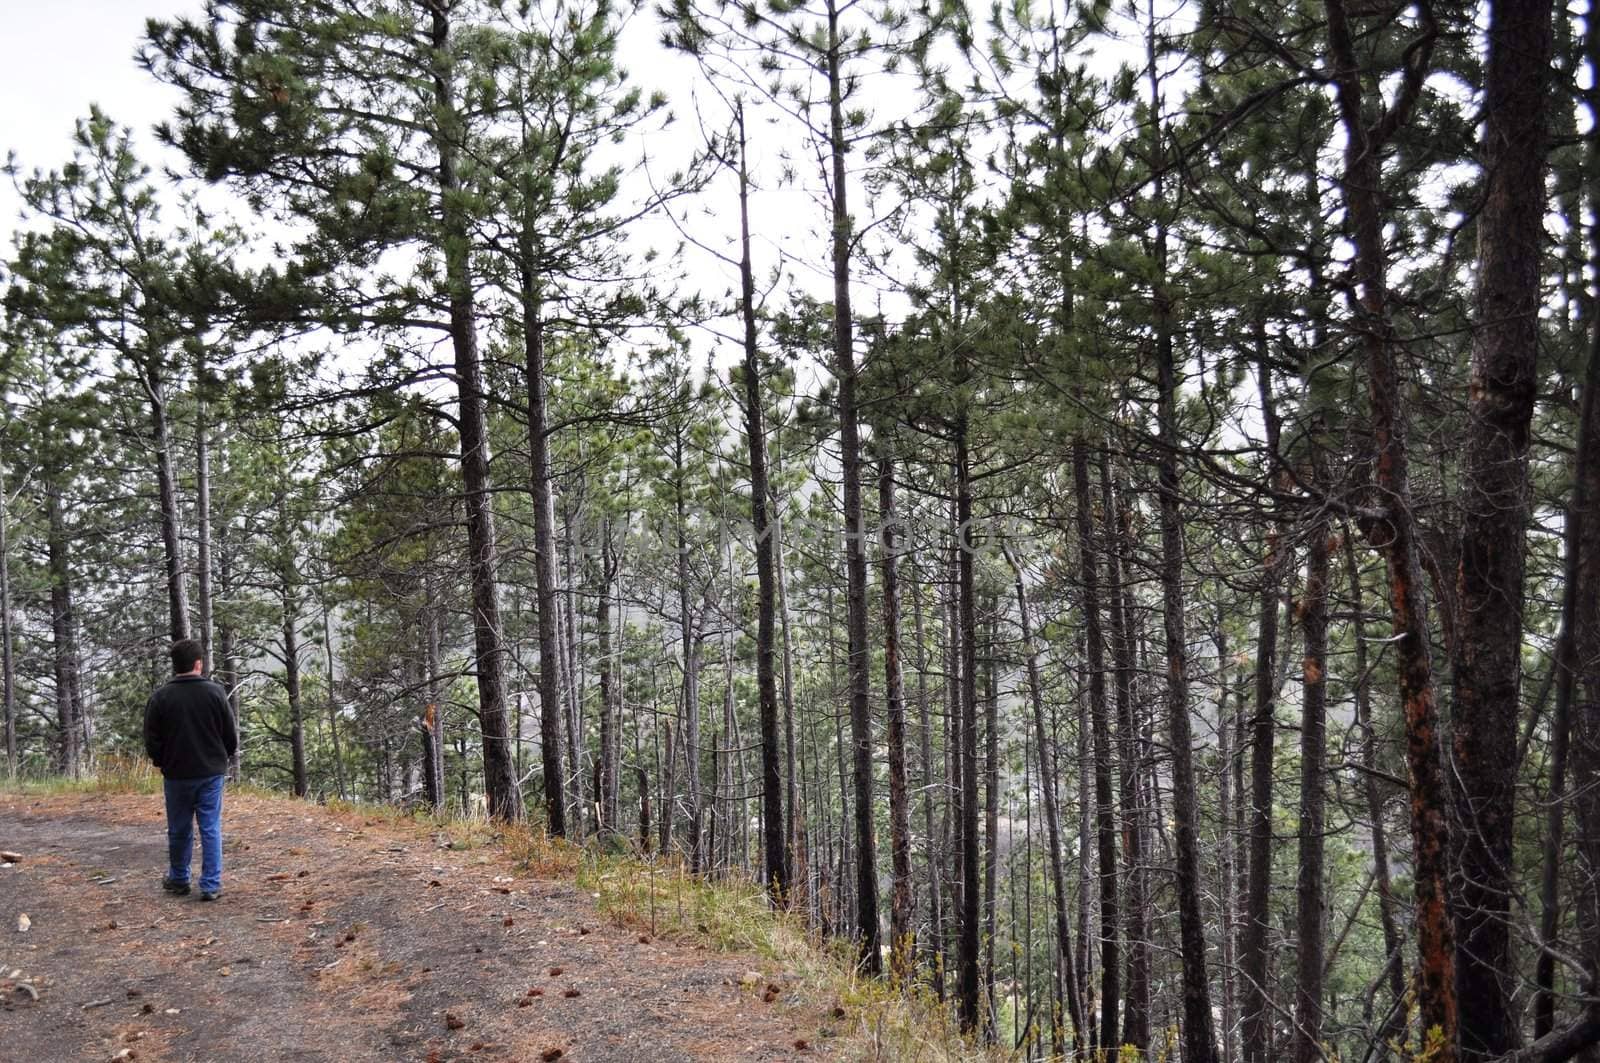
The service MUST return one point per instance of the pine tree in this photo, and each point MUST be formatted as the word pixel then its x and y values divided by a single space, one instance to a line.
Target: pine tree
pixel 349 117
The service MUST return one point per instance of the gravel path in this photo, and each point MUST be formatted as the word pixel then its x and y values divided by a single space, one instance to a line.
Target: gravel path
pixel 340 939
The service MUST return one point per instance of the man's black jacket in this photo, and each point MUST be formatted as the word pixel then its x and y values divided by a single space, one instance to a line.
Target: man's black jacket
pixel 188 728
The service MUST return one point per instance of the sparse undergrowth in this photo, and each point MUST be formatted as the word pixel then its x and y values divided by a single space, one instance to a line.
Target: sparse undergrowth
pixel 881 1021
pixel 877 1020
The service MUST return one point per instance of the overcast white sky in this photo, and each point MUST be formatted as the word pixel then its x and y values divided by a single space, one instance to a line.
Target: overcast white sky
pixel 59 56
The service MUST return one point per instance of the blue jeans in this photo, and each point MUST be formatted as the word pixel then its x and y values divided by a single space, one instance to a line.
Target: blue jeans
pixel 187 801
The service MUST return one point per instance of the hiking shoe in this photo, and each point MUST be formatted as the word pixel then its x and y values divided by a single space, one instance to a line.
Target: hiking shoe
pixel 209 895
pixel 174 887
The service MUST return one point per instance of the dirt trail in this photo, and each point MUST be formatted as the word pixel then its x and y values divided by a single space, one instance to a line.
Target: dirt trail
pixel 343 939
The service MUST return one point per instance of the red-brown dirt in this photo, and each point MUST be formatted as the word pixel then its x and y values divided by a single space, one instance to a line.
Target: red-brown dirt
pixel 343 939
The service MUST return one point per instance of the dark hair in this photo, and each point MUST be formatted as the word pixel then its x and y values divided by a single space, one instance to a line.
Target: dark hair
pixel 184 653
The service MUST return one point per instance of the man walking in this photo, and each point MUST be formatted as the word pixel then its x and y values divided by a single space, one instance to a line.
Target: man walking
pixel 189 732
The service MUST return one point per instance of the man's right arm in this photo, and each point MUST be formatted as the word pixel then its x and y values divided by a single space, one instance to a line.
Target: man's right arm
pixel 229 727
pixel 152 731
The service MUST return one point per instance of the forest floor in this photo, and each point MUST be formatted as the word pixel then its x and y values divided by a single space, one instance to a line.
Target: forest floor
pixel 345 937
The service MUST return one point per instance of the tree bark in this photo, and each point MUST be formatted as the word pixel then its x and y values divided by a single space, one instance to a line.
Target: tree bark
pixel 167 498
pixel 1104 802
pixel 1583 586
pixel 8 673
pixel 1309 922
pixel 967 975
pixel 1253 952
pixel 610 711
pixel 572 672
pixel 430 649
pixel 1369 763
pixel 774 832
pixel 1052 814
pixel 792 779
pixel 545 582
pixel 1490 586
pixel 227 641
pixel 333 703
pixel 868 933
pixel 202 506
pixel 1199 1038
pixel 63 623
pixel 1136 1014
pixel 689 732
pixel 667 771
pixel 991 812
pixel 291 685
pixel 902 945
pixel 1393 531
pixel 935 945
pixel 433 784
pixel 1228 836
pixel 954 715
pixel 499 775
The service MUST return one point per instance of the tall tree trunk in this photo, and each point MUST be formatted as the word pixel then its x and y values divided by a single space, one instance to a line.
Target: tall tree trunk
pixel 333 702
pixel 1253 951
pixel 202 506
pixel 572 674
pixel 935 948
pixel 954 715
pixel 1052 814
pixel 291 685
pixel 1584 742
pixel 1136 1016
pixel 1083 972
pixel 8 672
pixel 1199 1038
pixel 967 633
pixel 610 708
pixel 1487 668
pixel 1578 659
pixel 991 815
pixel 774 831
pixel 433 784
pixel 1369 763
pixel 167 498
pixel 1577 623
pixel 1308 1047
pixel 860 662
pixel 689 733
pixel 1105 806
pixel 228 648
pixel 791 774
pixel 1394 532
pixel 62 623
pixel 499 774
pixel 1544 1002
pixel 901 908
pixel 544 549
pixel 1227 836
pixel 431 661
pixel 666 770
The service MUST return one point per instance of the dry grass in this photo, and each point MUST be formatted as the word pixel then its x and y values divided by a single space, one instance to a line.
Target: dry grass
pixel 880 1021
pixel 113 774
